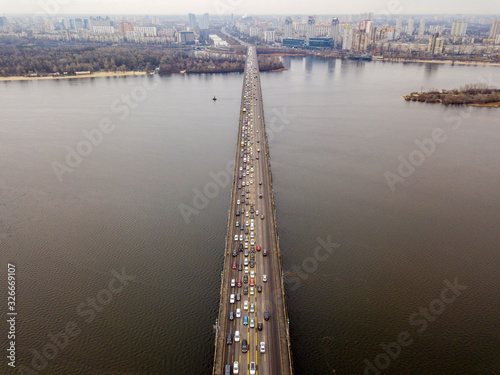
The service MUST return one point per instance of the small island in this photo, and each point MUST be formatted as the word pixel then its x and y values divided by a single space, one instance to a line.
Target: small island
pixel 478 95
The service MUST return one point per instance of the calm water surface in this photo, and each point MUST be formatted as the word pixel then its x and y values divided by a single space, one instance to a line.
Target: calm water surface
pixel 336 128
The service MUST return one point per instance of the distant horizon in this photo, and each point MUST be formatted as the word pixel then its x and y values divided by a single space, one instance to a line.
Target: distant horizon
pixel 249 15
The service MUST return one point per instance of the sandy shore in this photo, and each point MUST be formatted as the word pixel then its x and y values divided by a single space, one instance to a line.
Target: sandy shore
pixel 92 75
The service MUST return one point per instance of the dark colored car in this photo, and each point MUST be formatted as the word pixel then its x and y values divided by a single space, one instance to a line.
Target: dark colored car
pixel 245 279
pixel 264 252
pixel 238 297
pixel 241 247
pixel 240 267
pixel 260 195
pixel 235 253
pixel 244 346
pixel 259 288
pixel 241 176
pixel 246 230
pixel 266 315
pixel 259 326
pixel 252 264
pixel 237 212
pixel 231 315
pixel 229 339
pixel 242 227
pixel 252 256
pixel 245 291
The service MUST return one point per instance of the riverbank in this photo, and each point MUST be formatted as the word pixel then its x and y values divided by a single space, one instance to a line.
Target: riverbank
pixel 91 75
pixel 477 63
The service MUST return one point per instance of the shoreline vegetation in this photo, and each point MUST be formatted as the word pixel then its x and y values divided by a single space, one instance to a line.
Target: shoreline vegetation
pixel 478 95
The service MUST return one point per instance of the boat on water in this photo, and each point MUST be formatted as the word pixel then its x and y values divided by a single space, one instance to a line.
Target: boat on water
pixel 214 98
pixel 359 56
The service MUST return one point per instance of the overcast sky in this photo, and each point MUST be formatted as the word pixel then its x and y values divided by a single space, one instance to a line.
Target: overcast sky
pixel 250 7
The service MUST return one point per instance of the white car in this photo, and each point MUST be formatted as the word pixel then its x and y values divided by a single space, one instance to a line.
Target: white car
pixel 252 292
pixel 252 368
pixel 236 237
pixel 264 278
pixel 257 212
pixel 262 347
pixel 236 367
pixel 252 242
pixel 233 283
pixel 246 245
pixel 246 213
pixel 252 235
pixel 236 336
pixel 245 305
pixel 252 274
pixel 241 237
pixel 251 182
pixel 246 223
pixel 231 298
pixel 252 308
pixel 252 227
pixel 238 313
pixel 238 202
pixel 246 269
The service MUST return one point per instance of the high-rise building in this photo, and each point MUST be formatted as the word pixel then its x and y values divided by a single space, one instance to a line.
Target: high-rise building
pixel 436 45
pixel 365 26
pixel 399 28
pixel 205 22
pixel 494 31
pixel 411 27
pixel 459 28
pixel 311 25
pixel 335 32
pixel 192 21
pixel 288 28
pixel 347 38
pixel 421 28
pixel 125 26
pixel 3 21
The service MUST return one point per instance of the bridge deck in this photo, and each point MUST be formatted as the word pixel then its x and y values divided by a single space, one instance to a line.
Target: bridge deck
pixel 255 188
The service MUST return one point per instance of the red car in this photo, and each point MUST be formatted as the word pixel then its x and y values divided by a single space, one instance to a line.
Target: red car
pixel 252 282
pixel 235 265
pixel 258 247
pixel 239 283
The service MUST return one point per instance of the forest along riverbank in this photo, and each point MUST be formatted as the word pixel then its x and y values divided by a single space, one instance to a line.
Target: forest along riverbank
pixel 90 75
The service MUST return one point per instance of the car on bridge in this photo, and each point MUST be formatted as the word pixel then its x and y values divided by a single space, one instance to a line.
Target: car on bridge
pixel 266 315
pixel 259 327
pixel 262 347
pixel 244 346
pixel 231 298
pixel 245 320
pixel 237 336
pixel 252 368
pixel 236 367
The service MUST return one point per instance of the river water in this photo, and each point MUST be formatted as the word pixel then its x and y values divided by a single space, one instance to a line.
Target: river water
pixel 118 244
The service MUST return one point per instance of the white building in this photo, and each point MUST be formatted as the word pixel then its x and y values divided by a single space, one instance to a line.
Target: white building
pixel 269 36
pixel 421 28
pixel 459 28
pixel 103 29
pixel 411 27
pixel 145 31
pixel 347 38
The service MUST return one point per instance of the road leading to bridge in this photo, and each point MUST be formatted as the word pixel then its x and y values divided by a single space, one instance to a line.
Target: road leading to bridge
pixel 252 303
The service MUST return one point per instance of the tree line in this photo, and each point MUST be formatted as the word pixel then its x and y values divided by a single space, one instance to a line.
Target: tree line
pixel 19 57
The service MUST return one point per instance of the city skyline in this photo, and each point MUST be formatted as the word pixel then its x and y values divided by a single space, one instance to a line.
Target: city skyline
pixel 254 7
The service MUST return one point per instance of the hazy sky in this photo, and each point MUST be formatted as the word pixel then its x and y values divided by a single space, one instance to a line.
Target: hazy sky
pixel 312 7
